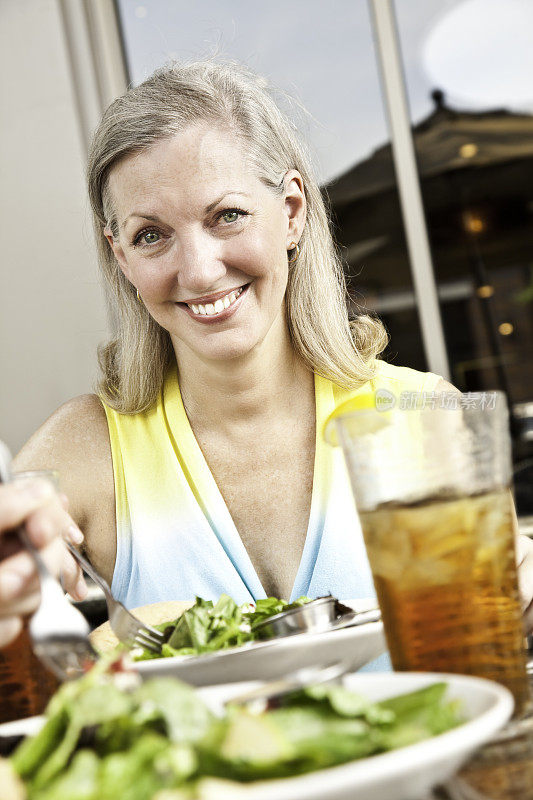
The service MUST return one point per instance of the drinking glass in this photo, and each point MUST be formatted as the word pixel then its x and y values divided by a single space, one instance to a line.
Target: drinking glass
pixel 431 479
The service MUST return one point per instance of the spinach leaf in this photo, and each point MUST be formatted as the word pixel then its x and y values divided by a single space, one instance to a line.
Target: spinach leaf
pixel 186 716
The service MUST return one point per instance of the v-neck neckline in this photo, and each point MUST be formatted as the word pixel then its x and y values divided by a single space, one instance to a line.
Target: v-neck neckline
pixel 213 505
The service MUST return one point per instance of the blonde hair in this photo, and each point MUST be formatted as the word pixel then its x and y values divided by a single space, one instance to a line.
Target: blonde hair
pixel 133 363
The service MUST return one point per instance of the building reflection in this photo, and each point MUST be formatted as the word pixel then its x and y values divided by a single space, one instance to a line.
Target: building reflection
pixel 476 173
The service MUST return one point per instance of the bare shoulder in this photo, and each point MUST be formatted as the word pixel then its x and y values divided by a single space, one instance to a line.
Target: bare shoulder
pixel 77 425
pixel 75 441
pixel 445 386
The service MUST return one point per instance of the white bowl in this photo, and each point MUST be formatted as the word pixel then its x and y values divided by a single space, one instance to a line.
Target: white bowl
pixel 408 773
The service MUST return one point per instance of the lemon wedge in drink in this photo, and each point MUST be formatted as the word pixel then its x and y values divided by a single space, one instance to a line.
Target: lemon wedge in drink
pixel 359 424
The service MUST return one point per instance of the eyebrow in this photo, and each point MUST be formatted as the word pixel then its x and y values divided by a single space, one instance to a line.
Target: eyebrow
pixel 141 216
pixel 207 209
pixel 214 204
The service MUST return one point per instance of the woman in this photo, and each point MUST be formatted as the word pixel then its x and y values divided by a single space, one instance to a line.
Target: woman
pixel 203 449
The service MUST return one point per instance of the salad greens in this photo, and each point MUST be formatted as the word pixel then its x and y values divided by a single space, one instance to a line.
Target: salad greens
pixel 159 741
pixel 208 626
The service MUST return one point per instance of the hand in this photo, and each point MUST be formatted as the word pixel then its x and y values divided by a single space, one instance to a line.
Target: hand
pixel 524 559
pixel 43 512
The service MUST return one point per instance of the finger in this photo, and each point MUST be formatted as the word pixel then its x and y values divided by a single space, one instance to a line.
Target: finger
pixel 72 533
pixel 63 499
pixel 26 604
pixel 525 582
pixel 524 548
pixel 10 627
pixel 50 521
pixel 527 620
pixel 18 571
pixel 18 500
pixel 8 603
pixel 80 591
pixel 16 574
pixel 525 595
pixel 72 578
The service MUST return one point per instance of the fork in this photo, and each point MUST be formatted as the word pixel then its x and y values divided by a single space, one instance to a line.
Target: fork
pixel 271 691
pixel 59 632
pixel 126 627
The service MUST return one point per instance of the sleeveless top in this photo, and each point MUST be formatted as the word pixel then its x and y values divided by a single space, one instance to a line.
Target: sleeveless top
pixel 175 536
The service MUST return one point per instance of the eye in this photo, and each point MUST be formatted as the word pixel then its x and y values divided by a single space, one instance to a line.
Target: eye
pixel 231 215
pixel 147 237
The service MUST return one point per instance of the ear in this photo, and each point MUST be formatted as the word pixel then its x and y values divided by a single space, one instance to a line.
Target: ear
pixel 118 252
pixel 295 206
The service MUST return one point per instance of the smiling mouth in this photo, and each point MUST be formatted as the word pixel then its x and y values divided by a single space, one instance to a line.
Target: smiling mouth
pixel 216 307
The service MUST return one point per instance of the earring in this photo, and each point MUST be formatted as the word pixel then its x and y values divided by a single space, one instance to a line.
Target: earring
pixel 296 247
pixel 138 297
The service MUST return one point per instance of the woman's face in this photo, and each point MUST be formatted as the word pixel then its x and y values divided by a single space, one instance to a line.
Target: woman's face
pixel 205 242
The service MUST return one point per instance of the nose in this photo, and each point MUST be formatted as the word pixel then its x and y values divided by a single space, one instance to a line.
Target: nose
pixel 200 264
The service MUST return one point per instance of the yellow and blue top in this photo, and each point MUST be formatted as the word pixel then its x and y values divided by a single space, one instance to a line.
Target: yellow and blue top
pixel 175 536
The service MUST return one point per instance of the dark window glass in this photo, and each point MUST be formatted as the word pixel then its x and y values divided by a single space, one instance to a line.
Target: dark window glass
pixel 473 134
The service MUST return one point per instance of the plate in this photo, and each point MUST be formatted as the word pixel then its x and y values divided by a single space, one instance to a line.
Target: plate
pixel 409 773
pixel 274 658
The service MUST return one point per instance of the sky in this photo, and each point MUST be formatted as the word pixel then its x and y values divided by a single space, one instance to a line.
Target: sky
pixel 322 53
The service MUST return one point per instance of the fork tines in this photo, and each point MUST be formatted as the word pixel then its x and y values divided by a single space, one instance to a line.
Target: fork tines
pixel 150 639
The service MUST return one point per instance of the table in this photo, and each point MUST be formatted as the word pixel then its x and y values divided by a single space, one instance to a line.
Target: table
pixel 502 770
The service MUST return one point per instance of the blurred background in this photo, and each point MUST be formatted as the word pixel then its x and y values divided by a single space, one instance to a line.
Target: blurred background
pixel 420 117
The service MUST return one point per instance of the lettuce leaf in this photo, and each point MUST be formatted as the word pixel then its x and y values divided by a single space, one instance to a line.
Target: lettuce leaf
pixel 207 627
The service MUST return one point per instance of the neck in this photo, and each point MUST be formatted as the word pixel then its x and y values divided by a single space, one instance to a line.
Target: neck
pixel 267 381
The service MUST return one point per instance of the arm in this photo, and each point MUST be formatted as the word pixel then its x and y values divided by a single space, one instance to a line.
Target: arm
pixel 75 441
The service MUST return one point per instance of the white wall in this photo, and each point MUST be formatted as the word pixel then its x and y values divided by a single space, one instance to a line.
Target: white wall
pixel 52 313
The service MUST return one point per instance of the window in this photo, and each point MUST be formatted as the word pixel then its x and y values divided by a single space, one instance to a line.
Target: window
pixel 471 110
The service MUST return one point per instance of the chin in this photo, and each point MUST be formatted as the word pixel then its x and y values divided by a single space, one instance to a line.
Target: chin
pixel 230 349
pixel 227 354
pixel 228 345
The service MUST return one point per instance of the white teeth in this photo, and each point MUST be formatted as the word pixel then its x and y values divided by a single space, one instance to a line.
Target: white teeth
pixel 209 309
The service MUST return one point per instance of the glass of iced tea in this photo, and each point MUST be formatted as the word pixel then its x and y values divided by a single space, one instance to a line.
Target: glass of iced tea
pixel 431 479
pixel 26 685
